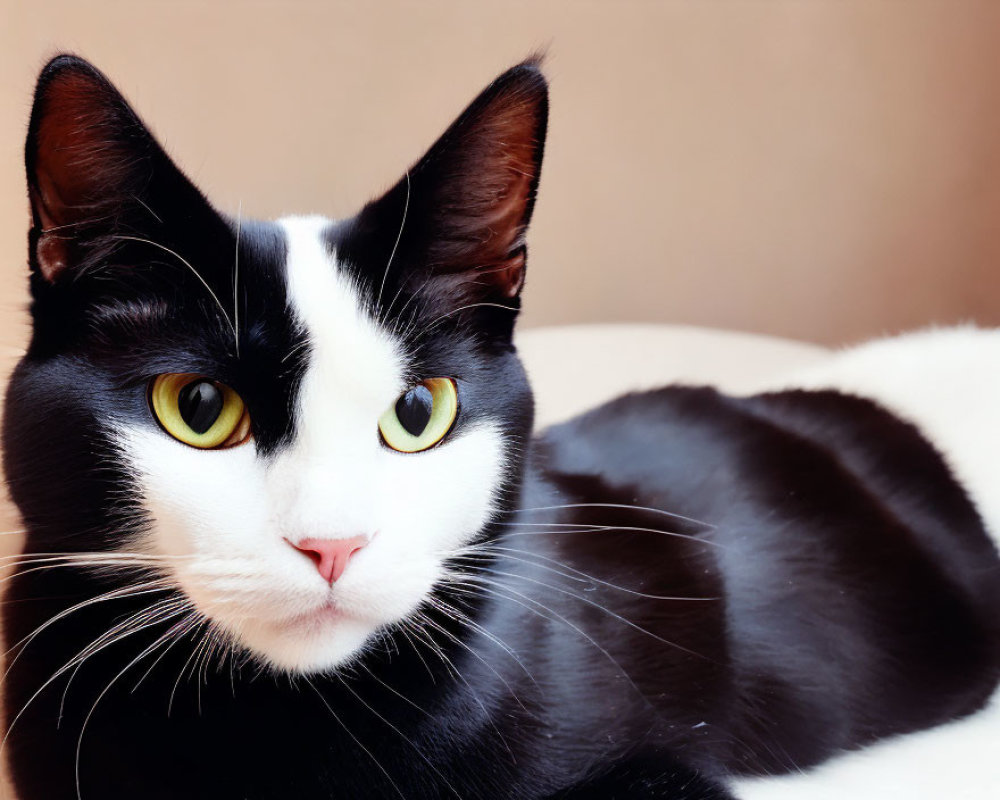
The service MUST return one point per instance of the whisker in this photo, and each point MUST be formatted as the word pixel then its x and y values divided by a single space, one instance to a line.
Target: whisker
pixel 434 646
pixel 403 333
pixel 467 621
pixel 93 556
pixel 93 708
pixel 392 255
pixel 475 696
pixel 403 736
pixel 186 263
pixel 604 529
pixel 398 694
pixel 202 622
pixel 405 630
pixel 495 588
pixel 145 205
pixel 430 327
pixel 582 577
pixel 177 632
pixel 152 615
pixel 115 594
pixel 236 280
pixel 599 607
pixel 625 506
pixel 68 665
pixel 347 730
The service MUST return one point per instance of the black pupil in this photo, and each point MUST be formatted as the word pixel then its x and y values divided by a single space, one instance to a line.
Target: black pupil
pixel 413 409
pixel 200 403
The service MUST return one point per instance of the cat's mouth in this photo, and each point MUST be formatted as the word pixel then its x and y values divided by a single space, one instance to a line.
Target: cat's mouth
pixel 321 616
pixel 274 603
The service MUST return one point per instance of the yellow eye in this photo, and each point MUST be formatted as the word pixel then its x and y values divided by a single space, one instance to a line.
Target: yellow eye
pixel 421 417
pixel 199 411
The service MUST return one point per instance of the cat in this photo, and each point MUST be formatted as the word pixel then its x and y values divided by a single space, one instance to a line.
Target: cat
pixel 290 533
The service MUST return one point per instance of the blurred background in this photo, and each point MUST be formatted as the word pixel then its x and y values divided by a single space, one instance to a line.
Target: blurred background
pixel 825 170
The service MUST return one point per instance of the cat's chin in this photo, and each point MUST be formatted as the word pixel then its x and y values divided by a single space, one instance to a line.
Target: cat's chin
pixel 314 642
pixel 295 623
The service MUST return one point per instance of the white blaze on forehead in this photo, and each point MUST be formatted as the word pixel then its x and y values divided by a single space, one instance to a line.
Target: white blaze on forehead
pixel 352 372
pixel 349 349
pixel 329 478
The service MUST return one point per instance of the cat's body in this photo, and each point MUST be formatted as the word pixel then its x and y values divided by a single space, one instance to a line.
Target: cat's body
pixel 670 591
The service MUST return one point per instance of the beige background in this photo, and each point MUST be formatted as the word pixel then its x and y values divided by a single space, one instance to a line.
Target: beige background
pixel 822 169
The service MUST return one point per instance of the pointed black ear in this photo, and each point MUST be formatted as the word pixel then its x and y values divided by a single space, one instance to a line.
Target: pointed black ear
pixel 478 181
pixel 93 168
pixel 461 213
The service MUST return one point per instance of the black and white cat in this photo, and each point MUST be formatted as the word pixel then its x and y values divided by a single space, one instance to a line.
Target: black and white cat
pixel 290 534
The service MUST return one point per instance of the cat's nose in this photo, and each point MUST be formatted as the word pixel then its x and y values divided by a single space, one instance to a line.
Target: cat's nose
pixel 331 555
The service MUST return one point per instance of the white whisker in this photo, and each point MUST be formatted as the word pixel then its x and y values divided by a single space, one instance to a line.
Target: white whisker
pixel 624 506
pixel 403 736
pixel 195 272
pixel 347 730
pixel 392 255
pixel 236 279
pixel 93 708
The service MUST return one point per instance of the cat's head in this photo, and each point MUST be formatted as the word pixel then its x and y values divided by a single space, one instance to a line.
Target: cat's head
pixel 235 400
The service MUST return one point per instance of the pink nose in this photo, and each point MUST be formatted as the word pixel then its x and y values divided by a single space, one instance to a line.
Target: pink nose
pixel 331 555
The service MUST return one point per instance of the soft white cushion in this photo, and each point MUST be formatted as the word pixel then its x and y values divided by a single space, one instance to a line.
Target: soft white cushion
pixel 576 367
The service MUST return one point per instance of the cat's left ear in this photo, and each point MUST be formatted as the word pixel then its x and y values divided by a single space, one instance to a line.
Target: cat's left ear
pixel 94 170
pixel 453 229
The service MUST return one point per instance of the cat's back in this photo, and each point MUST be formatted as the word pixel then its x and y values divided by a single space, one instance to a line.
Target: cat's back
pixel 850 545
pixel 914 416
pixel 946 382
pixel 819 456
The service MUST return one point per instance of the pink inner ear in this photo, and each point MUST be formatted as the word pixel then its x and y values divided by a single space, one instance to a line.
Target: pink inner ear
pixel 504 223
pixel 84 158
pixel 500 170
pixel 52 252
pixel 56 218
pixel 47 198
pixel 78 154
pixel 507 276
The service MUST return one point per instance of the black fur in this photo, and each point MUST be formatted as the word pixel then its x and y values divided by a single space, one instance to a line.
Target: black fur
pixel 832 583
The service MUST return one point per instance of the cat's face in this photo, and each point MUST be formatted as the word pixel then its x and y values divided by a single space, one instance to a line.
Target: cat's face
pixel 308 528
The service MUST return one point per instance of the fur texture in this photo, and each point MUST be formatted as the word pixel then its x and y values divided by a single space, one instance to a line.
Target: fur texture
pixel 672 591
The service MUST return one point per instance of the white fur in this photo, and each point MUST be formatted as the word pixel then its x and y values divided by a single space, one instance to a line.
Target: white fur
pixel 947 382
pixel 957 761
pixel 227 514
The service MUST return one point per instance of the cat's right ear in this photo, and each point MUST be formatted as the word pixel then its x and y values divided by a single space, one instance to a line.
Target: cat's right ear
pixel 452 231
pixel 93 169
